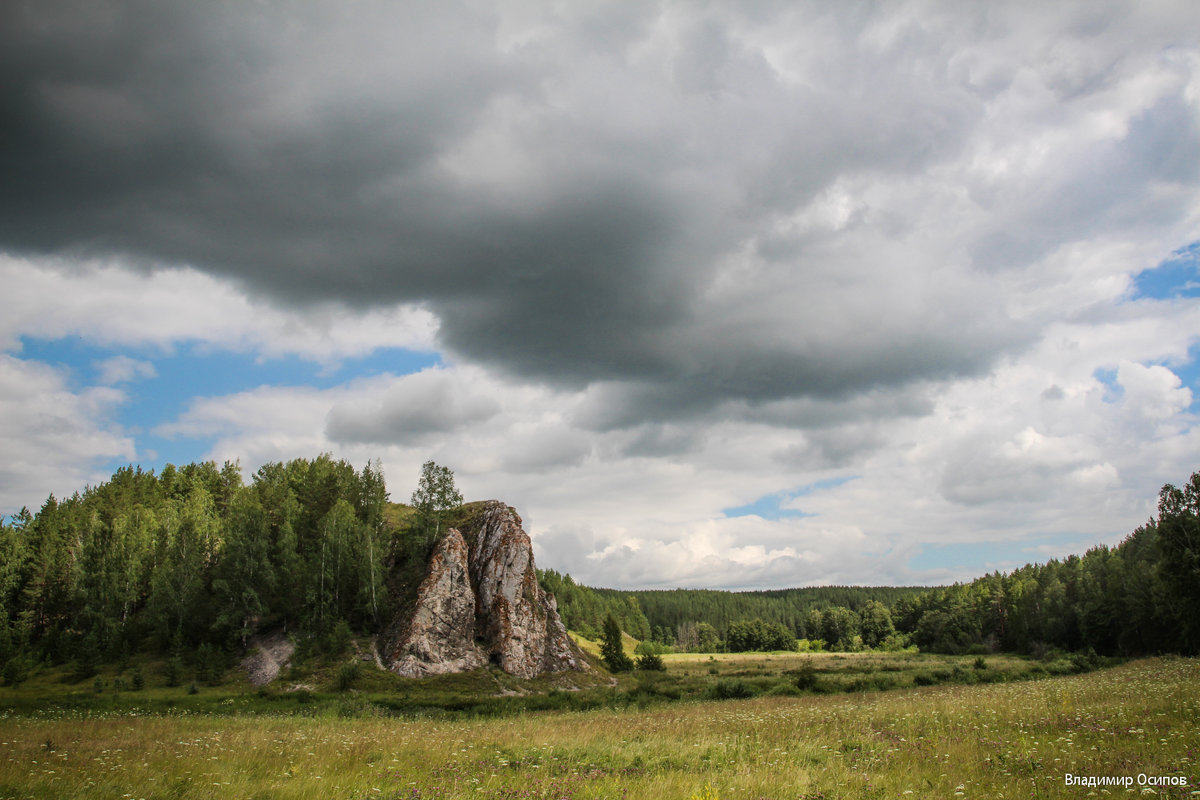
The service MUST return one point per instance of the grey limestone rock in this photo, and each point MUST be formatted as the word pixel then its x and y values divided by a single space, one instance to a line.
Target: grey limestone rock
pixel 440 636
pixel 480 601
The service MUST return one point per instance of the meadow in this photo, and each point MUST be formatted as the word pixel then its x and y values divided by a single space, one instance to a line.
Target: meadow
pixel 1007 739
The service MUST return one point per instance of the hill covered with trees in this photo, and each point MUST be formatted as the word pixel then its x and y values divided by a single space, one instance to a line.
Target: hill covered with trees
pixel 701 619
pixel 196 559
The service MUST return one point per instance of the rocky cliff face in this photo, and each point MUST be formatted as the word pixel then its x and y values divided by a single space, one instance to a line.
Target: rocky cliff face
pixel 480 602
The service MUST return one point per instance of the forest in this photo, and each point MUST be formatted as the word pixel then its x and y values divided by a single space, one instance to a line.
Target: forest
pixel 1140 597
pixel 701 620
pixel 195 559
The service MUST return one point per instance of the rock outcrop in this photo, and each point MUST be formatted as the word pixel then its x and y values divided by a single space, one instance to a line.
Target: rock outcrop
pixel 480 602
pixel 267 655
pixel 440 636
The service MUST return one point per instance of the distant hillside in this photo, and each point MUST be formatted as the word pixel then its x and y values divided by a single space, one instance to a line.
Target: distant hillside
pixel 1142 596
pixel 196 560
pixel 663 615
pixel 790 607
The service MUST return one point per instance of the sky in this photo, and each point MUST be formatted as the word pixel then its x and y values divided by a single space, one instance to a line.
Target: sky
pixel 716 294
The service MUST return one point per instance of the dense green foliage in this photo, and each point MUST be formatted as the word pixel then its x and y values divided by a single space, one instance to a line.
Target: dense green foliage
pixel 584 609
pixel 790 607
pixel 194 559
pixel 755 634
pixel 708 621
pixel 1142 596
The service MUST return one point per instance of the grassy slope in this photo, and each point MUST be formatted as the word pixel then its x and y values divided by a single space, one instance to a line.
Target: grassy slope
pixel 1000 740
pixel 316 687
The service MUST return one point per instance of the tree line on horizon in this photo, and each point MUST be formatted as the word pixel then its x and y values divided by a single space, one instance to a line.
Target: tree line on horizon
pixel 1140 597
pixel 712 620
pixel 196 558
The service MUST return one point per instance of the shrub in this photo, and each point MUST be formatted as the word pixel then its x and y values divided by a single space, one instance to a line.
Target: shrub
pixel 337 641
pixel 1061 666
pixel 960 675
pixel 980 663
pixel 174 670
pixel 1085 662
pixel 731 689
pixel 1041 651
pixel 871 683
pixel 924 679
pixel 210 664
pixel 137 680
pixel 648 647
pixel 805 676
pixel 651 662
pixel 15 671
pixel 656 686
pixel 347 676
pixel 784 689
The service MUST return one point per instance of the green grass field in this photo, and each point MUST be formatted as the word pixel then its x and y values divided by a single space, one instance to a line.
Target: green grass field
pixel 323 686
pixel 1016 739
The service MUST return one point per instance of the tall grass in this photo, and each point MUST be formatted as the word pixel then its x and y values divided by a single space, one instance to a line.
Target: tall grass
pixel 1003 740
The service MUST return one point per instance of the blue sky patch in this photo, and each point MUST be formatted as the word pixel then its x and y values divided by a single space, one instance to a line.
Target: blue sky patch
pixel 188 372
pixel 1188 373
pixel 770 506
pixel 1004 556
pixel 1113 391
pixel 1177 276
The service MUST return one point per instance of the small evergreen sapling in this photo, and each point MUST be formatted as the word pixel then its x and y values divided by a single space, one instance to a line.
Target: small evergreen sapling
pixel 612 649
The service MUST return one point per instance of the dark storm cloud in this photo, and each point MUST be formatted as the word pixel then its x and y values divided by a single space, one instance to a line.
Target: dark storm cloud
pixel 253 144
pixel 566 193
pixel 302 157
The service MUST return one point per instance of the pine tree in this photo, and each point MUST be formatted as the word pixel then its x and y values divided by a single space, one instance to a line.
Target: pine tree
pixel 612 649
